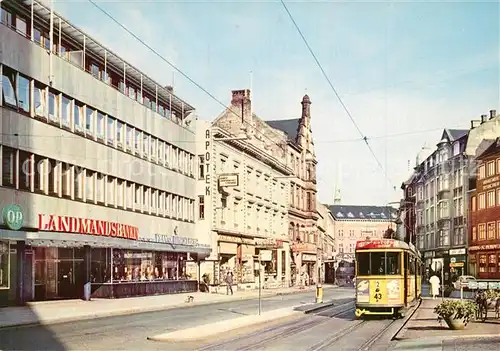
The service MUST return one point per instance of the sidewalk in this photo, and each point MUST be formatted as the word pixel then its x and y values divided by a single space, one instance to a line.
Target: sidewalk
pixel 424 330
pixel 50 312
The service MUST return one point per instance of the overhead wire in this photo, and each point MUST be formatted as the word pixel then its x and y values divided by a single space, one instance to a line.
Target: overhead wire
pixel 364 138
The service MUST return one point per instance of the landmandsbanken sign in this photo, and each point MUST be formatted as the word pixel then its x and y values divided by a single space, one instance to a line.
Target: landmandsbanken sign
pixel 67 224
pixel 175 240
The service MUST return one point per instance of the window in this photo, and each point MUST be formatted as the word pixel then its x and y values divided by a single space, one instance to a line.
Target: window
pixel 100 125
pixel 54 178
pixel 78 183
pixel 89 120
pixel 474 233
pixel 498 230
pixel 8 167
pixel 119 193
pixel 154 198
pixel 111 131
pixel 78 116
pixel 456 148
pixel 40 173
pixel 152 148
pixel 491 198
pixel 4 263
pixel 482 201
pixel 145 198
pixel 66 180
pixel 129 195
pixel 99 188
pixel 498 197
pixel 89 185
pixel 444 237
pixel 53 106
pixel 25 170
pixel 161 150
pixel 23 93
pixel 138 197
pixel 498 165
pixel 145 144
pixel 138 142
pixel 119 133
pixel 201 208
pixel 9 87
pixel 129 137
pixel 482 171
pixel 473 203
pixel 161 204
pixel 482 231
pixel 491 230
pixel 66 111
pixel 490 171
pixel 40 99
pixel 378 263
pixel 110 190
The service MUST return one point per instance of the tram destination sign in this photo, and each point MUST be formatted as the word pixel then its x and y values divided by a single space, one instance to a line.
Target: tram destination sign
pixel 379 244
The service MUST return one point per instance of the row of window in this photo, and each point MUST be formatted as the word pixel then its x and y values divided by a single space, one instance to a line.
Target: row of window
pixel 486 231
pixel 113 76
pixel 30 172
pixel 441 238
pixel 489 263
pixel 32 98
pixel 488 199
pixel 489 169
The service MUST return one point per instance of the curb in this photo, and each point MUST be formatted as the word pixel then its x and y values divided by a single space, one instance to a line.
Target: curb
pixel 144 310
pixel 447 337
pixel 320 307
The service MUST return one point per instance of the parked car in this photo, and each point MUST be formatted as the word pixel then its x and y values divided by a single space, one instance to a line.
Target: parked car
pixel 463 281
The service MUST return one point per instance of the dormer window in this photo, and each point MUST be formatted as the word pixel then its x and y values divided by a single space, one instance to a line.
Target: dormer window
pixel 339 214
pixel 382 215
pixel 350 215
pixel 361 214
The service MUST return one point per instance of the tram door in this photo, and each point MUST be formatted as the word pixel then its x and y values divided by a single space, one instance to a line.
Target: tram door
pixel 405 276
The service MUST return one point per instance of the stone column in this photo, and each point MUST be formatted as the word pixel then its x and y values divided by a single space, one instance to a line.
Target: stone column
pixel 87 272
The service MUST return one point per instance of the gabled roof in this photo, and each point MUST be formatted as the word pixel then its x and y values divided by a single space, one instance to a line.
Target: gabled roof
pixel 455 134
pixel 491 147
pixel 362 212
pixel 289 126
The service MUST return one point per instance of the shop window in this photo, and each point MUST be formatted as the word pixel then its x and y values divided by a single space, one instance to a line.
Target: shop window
pixel 492 263
pixel 100 271
pixel 9 167
pixel 482 263
pixel 40 173
pixel 25 170
pixel 9 87
pixel 4 264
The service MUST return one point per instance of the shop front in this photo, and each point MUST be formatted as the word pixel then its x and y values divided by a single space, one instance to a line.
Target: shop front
pixel 68 257
pixel 484 261
pixel 305 260
pixel 236 255
pixel 458 263
pixel 275 258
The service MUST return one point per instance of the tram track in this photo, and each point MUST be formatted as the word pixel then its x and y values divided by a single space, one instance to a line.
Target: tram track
pixel 275 333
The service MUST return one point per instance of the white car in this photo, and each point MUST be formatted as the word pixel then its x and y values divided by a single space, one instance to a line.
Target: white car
pixel 463 281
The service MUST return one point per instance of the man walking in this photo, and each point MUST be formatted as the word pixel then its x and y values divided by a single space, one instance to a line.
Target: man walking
pixel 229 282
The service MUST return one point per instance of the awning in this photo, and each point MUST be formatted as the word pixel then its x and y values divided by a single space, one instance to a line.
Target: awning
pixel 51 239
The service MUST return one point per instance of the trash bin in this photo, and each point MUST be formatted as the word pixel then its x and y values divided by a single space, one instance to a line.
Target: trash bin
pixel 87 291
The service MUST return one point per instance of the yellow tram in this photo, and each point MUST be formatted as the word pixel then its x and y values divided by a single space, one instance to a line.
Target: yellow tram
pixel 388 277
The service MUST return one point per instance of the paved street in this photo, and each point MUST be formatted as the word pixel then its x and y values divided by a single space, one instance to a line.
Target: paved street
pixel 130 332
pixel 333 329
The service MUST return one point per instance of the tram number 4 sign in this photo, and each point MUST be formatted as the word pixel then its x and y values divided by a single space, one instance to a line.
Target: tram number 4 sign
pixel 378 294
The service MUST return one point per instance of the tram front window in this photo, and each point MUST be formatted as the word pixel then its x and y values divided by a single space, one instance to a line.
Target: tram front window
pixel 378 263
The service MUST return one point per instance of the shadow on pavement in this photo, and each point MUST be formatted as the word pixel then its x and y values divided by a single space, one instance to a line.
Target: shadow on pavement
pixel 27 337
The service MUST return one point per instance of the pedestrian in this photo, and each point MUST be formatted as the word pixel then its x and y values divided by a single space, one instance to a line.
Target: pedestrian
pixel 229 282
pixel 435 281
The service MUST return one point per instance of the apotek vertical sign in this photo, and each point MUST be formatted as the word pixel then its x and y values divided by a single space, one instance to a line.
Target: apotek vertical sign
pixel 208 145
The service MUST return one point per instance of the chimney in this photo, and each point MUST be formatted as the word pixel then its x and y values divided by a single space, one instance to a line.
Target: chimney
pixel 493 114
pixel 169 88
pixel 484 118
pixel 241 104
pixel 474 123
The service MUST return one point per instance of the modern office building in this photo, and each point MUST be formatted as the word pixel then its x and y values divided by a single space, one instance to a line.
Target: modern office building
pixel 97 168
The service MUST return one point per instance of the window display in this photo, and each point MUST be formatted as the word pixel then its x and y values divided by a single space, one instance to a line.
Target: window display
pixel 4 264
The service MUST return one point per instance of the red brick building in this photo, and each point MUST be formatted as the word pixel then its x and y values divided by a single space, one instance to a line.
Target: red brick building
pixel 484 224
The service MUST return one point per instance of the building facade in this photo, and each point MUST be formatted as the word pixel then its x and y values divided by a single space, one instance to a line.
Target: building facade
pixel 440 183
pixel 295 136
pixel 484 226
pixel 246 201
pixel 98 169
pixel 327 248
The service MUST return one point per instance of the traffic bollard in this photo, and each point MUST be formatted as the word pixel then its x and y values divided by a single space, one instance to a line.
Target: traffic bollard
pixel 319 293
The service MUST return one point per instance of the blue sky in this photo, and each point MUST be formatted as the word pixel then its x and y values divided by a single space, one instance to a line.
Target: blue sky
pixel 400 67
